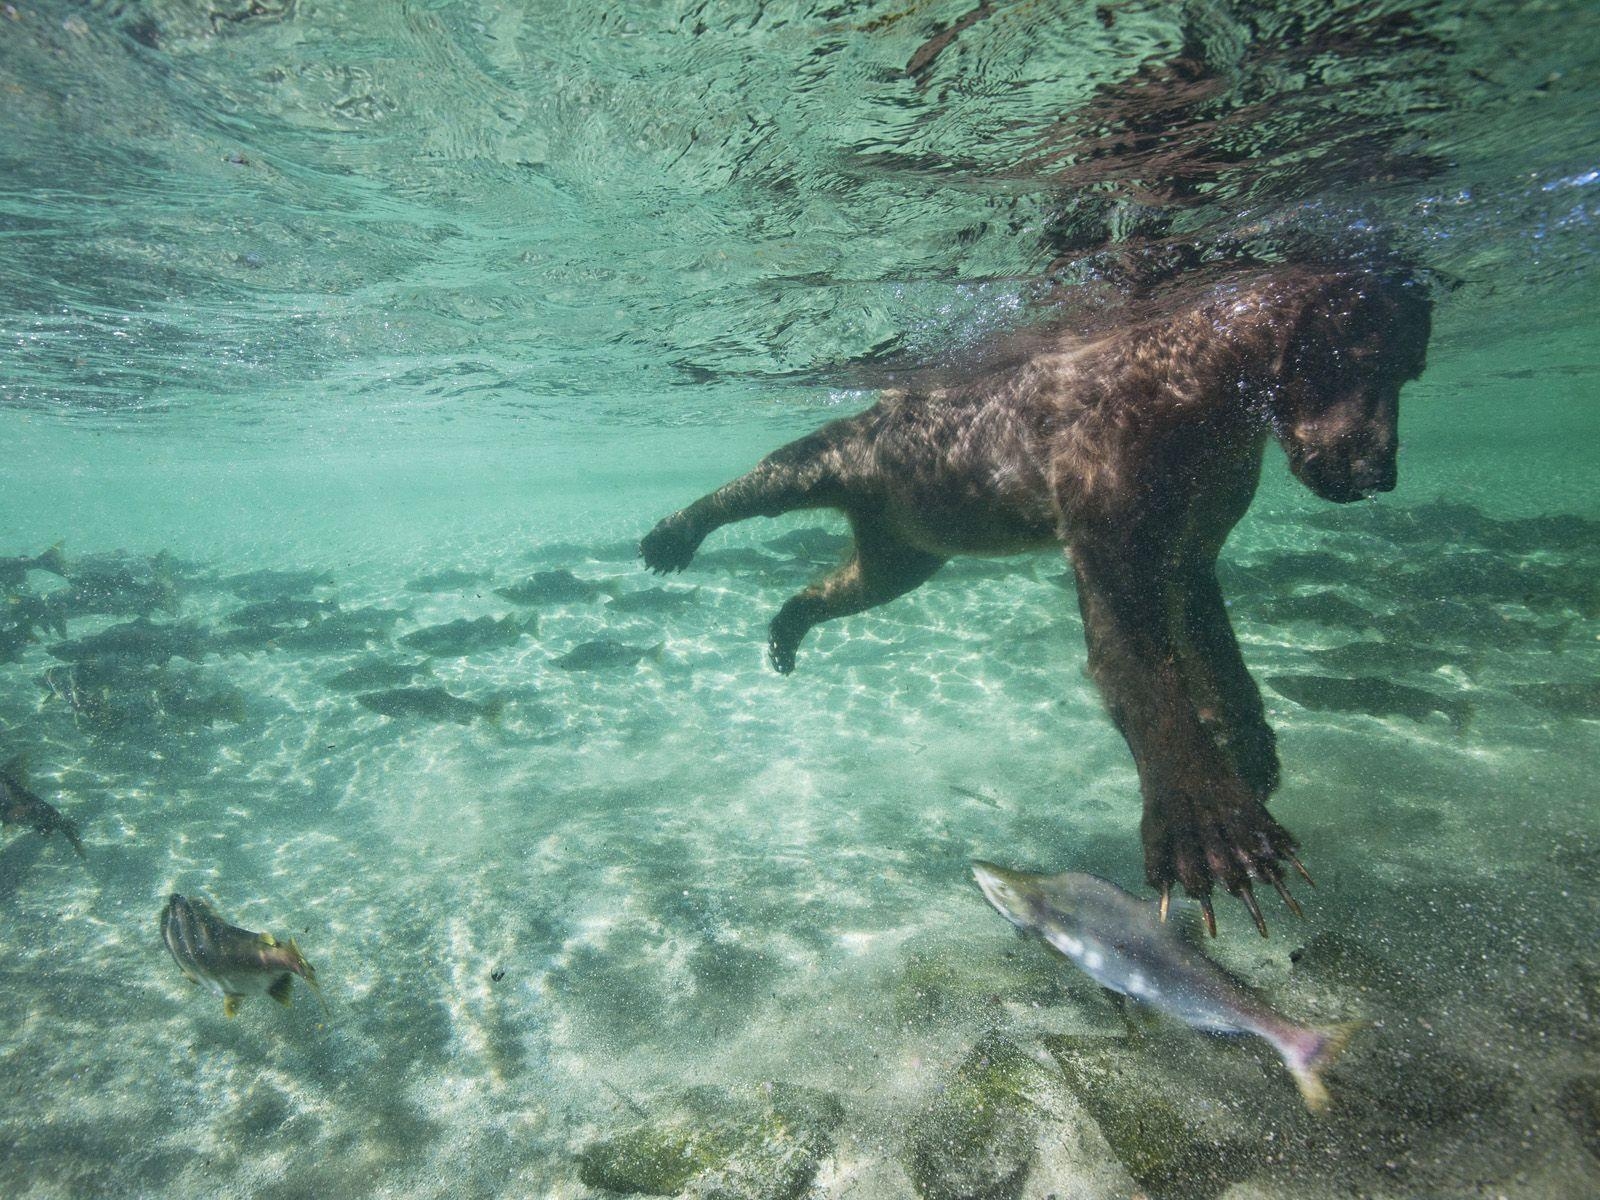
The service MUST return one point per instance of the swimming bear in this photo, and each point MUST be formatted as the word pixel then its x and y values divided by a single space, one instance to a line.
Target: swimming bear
pixel 1138 449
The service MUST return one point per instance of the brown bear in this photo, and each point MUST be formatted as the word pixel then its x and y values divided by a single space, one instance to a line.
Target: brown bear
pixel 1138 449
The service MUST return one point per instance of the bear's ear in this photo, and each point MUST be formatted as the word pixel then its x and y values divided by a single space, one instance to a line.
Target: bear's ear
pixel 1290 328
pixel 1316 313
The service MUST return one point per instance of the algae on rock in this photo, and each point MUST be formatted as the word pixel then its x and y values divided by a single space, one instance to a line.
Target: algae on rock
pixel 976 1141
pixel 1170 1148
pixel 748 1143
pixel 1579 1100
pixel 937 980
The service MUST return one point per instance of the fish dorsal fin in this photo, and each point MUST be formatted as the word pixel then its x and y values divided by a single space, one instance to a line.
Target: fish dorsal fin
pixel 1066 884
pixel 16 769
pixel 1188 926
pixel 268 940
pixel 280 989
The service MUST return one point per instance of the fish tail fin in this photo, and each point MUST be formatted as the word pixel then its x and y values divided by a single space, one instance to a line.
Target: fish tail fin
pixel 1309 1053
pixel 70 832
pixel 52 560
pixel 279 990
pixel 654 653
pixel 493 709
pixel 302 968
pixel 310 976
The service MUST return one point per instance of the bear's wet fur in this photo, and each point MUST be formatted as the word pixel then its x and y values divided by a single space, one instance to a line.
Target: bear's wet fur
pixel 1138 449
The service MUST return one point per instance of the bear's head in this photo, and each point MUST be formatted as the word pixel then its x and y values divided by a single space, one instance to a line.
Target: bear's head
pixel 1333 398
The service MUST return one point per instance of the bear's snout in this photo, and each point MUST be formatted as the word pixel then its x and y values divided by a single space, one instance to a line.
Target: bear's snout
pixel 1377 473
pixel 1336 473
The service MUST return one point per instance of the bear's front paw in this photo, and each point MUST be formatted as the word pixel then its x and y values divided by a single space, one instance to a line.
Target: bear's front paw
pixel 1200 840
pixel 670 545
pixel 1254 753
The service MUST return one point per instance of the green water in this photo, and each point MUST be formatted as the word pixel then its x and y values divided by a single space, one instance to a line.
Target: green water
pixel 383 289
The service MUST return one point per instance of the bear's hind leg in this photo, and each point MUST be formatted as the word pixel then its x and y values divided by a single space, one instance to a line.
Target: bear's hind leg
pixel 882 568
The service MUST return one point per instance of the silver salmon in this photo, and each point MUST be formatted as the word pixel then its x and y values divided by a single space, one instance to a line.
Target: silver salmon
pixel 1120 942
pixel 228 961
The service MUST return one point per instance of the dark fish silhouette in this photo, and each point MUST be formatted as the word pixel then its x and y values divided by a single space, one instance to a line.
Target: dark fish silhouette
pixel 281 611
pixel 1291 567
pixel 29 613
pixel 111 695
pixel 14 571
pixel 19 806
pixel 568 552
pixel 375 673
pixel 1450 522
pixel 1478 624
pixel 1498 579
pixel 431 703
pixel 228 961
pixel 447 581
pixel 139 640
pixel 118 584
pixel 1390 656
pixel 550 587
pixel 740 558
pixel 655 600
pixel 248 640
pixel 1371 695
pixel 12 643
pixel 1121 943
pixel 1321 608
pixel 468 637
pixel 1581 700
pixel 813 543
pixel 347 629
pixel 187 699
pixel 606 654
pixel 115 596
pixel 269 585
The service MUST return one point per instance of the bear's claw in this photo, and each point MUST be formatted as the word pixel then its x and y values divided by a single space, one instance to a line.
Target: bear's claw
pixel 781 648
pixel 1200 849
